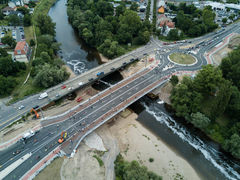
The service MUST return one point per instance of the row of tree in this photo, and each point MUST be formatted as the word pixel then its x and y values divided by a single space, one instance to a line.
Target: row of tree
pixel 192 21
pixel 47 69
pixel 9 70
pixel 108 30
pixel 213 95
pixel 132 170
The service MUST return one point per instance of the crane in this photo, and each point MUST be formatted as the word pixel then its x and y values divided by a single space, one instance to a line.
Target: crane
pixel 63 137
pixel 36 114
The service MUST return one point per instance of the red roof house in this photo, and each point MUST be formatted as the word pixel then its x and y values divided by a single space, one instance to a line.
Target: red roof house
pixel 21 51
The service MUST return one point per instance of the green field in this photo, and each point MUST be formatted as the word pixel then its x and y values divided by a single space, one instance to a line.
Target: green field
pixel 181 58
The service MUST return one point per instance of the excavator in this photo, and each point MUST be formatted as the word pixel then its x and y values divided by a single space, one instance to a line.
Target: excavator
pixel 36 114
pixel 63 137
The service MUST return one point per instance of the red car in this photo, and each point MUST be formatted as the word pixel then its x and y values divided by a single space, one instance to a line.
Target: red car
pixel 79 99
pixel 64 86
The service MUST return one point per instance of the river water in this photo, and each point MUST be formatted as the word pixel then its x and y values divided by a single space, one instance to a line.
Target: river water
pixel 204 155
pixel 74 52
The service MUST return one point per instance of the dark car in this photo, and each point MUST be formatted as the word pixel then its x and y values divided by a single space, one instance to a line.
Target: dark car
pixel 35 107
pixel 112 69
pixel 90 79
pixel 132 59
pixel 124 63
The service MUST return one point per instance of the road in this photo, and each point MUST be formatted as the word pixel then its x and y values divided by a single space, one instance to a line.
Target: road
pixel 11 113
pixel 94 112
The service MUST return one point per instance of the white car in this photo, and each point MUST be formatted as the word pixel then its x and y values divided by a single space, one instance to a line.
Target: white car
pixel 21 107
pixel 70 88
pixel 80 83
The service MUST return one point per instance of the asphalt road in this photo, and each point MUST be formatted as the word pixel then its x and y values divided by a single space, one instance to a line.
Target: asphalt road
pixel 46 139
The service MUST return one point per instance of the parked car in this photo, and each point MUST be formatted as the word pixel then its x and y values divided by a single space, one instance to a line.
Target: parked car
pixel 64 86
pixel 80 83
pixel 70 88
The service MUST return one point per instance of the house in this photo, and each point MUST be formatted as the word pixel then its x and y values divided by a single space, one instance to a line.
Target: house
pixel 7 10
pixel 22 51
pixel 161 10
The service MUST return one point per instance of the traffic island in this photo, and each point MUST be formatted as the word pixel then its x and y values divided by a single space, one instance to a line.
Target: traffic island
pixel 182 59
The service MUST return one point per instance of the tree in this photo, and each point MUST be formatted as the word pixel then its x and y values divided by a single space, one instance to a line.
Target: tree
pixel 208 80
pixel 174 80
pixel 173 35
pixel 31 4
pixel 32 42
pixel 221 99
pixel 45 25
pixel 23 10
pixel 232 16
pixel 125 170
pixel 9 41
pixel 224 20
pixel 48 76
pixel 134 6
pixel 13 20
pixel 111 49
pixel 120 9
pixel 27 20
pixel 7 84
pixel 184 99
pixel 3 52
pixel 233 107
pixel 199 120
pixel 233 145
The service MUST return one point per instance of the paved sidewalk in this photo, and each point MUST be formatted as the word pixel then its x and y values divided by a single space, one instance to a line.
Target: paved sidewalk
pixel 208 56
pixel 17 138
pixel 41 165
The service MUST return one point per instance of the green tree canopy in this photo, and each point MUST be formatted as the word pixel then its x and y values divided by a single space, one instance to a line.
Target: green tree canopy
pixel 199 120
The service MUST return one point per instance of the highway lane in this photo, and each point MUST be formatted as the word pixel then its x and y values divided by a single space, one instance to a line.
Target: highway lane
pixel 84 115
pixel 11 113
pixel 90 114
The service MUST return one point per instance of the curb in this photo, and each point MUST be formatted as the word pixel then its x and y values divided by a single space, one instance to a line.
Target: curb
pixel 10 142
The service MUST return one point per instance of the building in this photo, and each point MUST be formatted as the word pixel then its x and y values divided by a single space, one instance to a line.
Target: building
pixel 7 10
pixel 161 10
pixel 22 51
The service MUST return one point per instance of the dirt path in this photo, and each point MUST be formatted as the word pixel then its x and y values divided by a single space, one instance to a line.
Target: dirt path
pixel 109 157
pixel 82 166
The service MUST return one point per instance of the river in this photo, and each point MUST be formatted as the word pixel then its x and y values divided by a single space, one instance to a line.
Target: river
pixel 204 155
pixel 74 52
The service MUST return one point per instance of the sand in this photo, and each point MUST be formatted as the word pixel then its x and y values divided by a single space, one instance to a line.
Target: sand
pixel 138 143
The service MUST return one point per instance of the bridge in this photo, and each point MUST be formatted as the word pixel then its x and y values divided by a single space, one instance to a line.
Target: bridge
pixel 10 114
pixel 91 114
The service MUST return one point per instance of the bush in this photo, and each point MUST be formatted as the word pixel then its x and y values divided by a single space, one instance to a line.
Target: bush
pixel 151 160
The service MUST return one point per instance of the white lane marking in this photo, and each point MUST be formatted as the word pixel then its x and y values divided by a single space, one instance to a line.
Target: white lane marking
pixel 14 165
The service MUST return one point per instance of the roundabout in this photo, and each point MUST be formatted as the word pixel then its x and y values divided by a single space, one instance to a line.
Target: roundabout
pixel 182 59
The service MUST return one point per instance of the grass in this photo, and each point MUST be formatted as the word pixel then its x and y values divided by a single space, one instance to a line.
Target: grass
pixel 28 33
pixel 182 58
pixel 24 90
pixel 42 8
pixel 52 171
pixel 100 162
pixel 3 22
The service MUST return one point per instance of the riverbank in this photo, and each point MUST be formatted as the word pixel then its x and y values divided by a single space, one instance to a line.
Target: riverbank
pixel 135 142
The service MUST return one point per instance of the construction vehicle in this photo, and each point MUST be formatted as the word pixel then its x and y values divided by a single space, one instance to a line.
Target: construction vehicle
pixel 36 114
pixel 63 137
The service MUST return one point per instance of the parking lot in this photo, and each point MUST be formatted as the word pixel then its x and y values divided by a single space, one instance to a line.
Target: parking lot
pixel 17 32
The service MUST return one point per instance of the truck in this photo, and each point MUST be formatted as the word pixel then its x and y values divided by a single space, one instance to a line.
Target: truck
pixel 28 134
pixel 100 73
pixel 43 95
